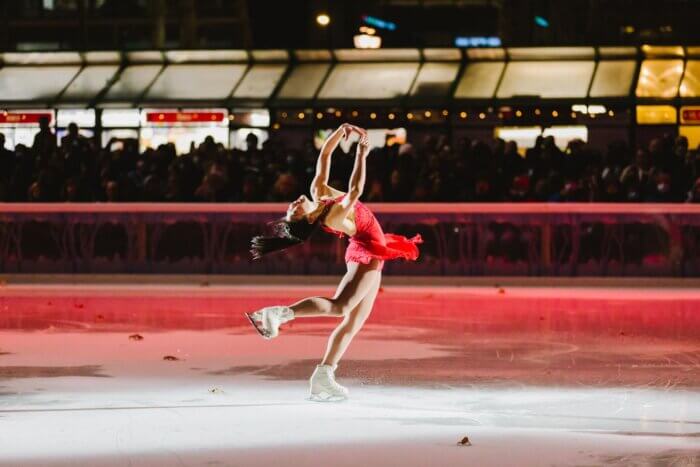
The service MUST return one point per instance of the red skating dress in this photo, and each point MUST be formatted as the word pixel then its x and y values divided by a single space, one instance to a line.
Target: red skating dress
pixel 370 242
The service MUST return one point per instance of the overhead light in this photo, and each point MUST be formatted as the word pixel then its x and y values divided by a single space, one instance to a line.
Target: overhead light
pixel 323 19
pixel 428 114
pixel 365 41
pixel 373 115
pixel 391 116
pixel 368 30
pixel 541 21
pixel 463 115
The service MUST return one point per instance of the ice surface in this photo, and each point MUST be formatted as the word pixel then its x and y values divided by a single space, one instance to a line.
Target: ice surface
pixel 533 376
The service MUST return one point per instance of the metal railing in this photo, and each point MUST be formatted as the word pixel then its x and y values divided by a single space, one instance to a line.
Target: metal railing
pixel 460 239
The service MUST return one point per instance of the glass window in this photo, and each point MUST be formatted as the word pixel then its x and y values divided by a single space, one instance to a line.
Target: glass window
pixel 88 84
pixel 435 79
pixel 88 133
pixel 690 87
pixel 191 82
pixel 659 78
pixel 121 118
pixel 523 136
pixel 132 82
pixel 238 137
pixel 304 80
pixel 369 81
pixel 258 118
pixel 260 81
pixel 547 79
pixel 563 135
pixel 613 78
pixel 692 133
pixel 81 117
pixel 479 80
pixel 182 137
pixel 118 134
pixel 39 84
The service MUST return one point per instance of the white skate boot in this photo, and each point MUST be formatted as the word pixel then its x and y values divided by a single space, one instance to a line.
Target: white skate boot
pixel 323 387
pixel 268 320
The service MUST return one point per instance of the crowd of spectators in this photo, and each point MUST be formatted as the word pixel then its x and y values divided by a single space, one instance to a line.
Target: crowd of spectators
pixel 79 170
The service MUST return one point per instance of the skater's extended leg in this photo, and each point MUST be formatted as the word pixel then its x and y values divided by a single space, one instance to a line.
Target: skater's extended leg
pixel 352 323
pixel 353 287
pixel 322 384
pixel 356 283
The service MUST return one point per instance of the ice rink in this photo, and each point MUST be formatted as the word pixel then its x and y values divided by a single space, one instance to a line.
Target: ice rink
pixel 106 375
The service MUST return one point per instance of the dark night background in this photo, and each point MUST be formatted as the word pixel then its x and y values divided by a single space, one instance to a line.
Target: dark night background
pixel 139 24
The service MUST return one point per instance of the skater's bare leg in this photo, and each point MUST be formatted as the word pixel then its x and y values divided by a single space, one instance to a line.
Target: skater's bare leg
pixel 352 323
pixel 357 282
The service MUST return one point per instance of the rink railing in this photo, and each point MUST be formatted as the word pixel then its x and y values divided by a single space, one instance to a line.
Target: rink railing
pixel 460 239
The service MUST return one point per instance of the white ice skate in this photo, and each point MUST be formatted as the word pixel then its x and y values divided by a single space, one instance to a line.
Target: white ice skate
pixel 268 320
pixel 323 387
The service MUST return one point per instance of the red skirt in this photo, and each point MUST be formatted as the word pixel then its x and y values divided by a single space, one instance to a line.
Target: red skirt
pixel 395 247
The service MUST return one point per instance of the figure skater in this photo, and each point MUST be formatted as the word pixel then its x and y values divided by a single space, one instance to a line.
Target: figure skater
pixel 340 214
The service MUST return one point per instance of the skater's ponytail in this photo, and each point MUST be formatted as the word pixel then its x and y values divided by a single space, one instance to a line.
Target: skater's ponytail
pixel 286 234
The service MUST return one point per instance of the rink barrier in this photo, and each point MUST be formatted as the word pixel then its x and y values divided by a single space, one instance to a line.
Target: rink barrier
pixel 475 239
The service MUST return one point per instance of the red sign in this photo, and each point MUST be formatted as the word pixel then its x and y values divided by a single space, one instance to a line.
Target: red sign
pixel 185 117
pixel 690 114
pixel 24 118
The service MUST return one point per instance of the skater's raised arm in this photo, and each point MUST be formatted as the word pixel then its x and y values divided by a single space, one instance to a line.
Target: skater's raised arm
pixel 357 180
pixel 319 185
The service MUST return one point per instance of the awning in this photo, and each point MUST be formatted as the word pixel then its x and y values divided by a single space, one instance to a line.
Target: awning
pixel 479 80
pixel 613 78
pixel 659 78
pixel 434 81
pixel 259 83
pixel 547 79
pixel 377 82
pixel 88 84
pixel 690 86
pixel 195 82
pixel 303 82
pixel 130 85
pixel 34 85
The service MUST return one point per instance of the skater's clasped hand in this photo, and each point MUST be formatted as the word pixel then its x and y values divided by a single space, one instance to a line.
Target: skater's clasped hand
pixel 349 129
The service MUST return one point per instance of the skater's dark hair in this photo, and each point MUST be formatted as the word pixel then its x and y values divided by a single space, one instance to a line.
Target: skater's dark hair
pixel 286 234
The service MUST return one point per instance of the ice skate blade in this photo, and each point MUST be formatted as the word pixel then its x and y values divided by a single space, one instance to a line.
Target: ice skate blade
pixel 260 330
pixel 325 397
